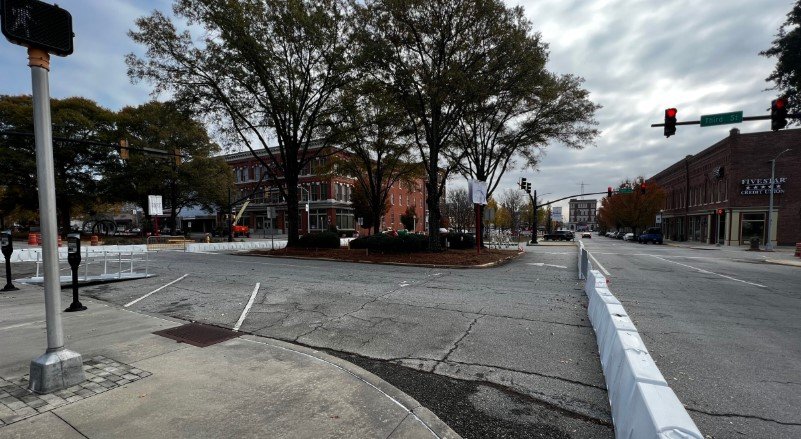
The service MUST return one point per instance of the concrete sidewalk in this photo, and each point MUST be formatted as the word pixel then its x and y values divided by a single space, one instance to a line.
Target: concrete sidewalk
pixel 141 385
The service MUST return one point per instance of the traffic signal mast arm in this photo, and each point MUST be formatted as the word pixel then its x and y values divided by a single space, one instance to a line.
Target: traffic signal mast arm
pixel 746 118
pixel 565 198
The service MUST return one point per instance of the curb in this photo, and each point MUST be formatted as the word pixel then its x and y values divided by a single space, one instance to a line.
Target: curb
pixel 786 262
pixel 503 261
pixel 643 404
pixel 411 405
pixel 431 421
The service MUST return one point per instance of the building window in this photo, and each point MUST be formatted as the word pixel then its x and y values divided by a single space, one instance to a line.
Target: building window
pixel 752 226
pixel 318 219
pixel 345 220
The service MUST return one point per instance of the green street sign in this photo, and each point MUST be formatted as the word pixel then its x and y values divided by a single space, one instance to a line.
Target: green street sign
pixel 625 190
pixel 709 120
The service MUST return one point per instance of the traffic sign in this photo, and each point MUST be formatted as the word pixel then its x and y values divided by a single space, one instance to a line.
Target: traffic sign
pixel 625 190
pixel 709 120
pixel 33 23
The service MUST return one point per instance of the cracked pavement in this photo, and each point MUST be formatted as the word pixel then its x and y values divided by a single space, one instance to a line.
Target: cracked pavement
pixel 522 327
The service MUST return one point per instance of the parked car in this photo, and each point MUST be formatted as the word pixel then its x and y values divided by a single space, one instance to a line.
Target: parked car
pixel 559 235
pixel 628 237
pixel 586 235
pixel 620 235
pixel 653 234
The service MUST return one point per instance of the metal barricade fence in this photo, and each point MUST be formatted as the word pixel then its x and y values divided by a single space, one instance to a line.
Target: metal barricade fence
pixel 155 243
pixel 126 264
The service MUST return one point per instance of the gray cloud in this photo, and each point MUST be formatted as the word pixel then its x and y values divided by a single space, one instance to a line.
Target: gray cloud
pixel 638 57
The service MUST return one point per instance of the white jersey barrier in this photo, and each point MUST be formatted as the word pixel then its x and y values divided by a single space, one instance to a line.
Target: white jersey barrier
pixel 643 405
pixel 246 245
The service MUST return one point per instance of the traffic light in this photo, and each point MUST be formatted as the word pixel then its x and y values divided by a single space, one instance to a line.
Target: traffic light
pixel 670 121
pixel 124 153
pixel 528 188
pixel 609 191
pixel 642 188
pixel 522 183
pixel 778 114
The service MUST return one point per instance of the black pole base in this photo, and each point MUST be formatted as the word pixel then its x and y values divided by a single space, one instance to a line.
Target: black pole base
pixel 75 306
pixel 9 287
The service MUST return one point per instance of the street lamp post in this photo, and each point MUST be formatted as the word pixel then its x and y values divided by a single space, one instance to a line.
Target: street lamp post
pixel 768 242
pixel 308 210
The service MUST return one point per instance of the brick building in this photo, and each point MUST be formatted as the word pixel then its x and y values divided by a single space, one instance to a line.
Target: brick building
pixel 324 199
pixel 733 177
pixel 582 215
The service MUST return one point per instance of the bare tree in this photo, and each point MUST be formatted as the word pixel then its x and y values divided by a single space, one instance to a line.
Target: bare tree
pixel 460 209
pixel 378 155
pixel 261 68
pixel 513 202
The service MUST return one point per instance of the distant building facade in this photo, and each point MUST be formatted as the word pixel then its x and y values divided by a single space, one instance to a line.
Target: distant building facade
pixel 324 199
pixel 722 193
pixel 582 215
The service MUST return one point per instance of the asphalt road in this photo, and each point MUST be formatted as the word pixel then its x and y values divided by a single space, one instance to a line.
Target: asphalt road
pixel 501 352
pixel 723 327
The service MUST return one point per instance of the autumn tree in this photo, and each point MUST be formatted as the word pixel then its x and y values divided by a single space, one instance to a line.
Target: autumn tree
pixel 260 69
pixel 429 55
pixel 786 48
pixel 635 210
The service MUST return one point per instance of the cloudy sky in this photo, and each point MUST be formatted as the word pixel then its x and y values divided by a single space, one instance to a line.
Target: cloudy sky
pixel 638 57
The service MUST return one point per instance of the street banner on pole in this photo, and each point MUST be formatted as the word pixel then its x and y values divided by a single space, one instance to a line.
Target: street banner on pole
pixel 154 205
pixel 477 191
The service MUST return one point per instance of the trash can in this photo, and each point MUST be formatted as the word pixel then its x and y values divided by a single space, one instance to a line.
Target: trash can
pixel 754 243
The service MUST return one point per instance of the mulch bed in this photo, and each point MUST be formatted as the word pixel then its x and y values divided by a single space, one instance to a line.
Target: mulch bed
pixel 460 258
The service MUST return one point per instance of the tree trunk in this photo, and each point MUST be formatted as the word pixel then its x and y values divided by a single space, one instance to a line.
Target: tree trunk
pixel 432 200
pixel 293 226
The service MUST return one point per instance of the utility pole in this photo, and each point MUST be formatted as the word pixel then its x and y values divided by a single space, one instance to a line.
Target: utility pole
pixel 768 242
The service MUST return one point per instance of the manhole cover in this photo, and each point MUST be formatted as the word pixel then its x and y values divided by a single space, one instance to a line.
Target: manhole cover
pixel 198 334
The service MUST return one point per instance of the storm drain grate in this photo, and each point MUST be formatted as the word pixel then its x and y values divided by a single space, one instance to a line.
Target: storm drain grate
pixel 198 334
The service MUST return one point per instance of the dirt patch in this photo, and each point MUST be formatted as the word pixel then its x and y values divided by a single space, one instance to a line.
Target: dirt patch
pixel 449 258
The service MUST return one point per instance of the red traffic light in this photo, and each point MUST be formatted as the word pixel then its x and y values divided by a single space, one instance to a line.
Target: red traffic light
pixel 671 112
pixel 780 103
pixel 609 191
pixel 643 187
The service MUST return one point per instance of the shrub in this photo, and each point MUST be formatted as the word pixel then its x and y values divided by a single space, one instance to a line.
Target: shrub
pixel 383 243
pixel 319 240
pixel 460 241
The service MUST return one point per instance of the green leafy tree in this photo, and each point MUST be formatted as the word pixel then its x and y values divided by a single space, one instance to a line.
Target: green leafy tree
pixel 260 69
pixel 187 176
pixel 82 135
pixel 429 54
pixel 786 49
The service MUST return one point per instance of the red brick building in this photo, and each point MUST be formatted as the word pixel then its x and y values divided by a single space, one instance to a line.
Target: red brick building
pixel 733 177
pixel 324 199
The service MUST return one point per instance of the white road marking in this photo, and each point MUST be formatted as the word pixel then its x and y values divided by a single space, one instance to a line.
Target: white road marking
pixel 154 291
pixel 541 264
pixel 21 325
pixel 701 270
pixel 247 307
pixel 598 264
